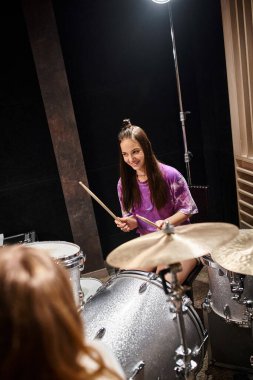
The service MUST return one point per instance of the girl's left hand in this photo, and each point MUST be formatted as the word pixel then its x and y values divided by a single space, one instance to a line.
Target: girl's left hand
pixel 160 224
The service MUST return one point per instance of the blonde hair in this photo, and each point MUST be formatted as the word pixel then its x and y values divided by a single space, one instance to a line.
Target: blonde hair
pixel 41 332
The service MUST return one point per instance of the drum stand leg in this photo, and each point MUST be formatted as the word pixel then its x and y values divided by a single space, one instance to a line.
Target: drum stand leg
pixel 184 364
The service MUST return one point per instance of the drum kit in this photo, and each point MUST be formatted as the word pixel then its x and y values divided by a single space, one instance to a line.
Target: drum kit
pixel 149 323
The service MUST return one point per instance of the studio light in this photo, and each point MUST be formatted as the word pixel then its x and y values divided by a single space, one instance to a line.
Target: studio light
pixel 160 1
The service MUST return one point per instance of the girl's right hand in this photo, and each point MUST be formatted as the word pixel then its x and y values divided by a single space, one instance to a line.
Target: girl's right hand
pixel 126 224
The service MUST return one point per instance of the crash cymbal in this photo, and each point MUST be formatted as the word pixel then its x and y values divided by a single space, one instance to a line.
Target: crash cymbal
pixel 237 255
pixel 187 242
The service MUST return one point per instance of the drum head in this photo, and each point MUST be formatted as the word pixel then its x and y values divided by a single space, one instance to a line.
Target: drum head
pixel 57 249
pixel 89 286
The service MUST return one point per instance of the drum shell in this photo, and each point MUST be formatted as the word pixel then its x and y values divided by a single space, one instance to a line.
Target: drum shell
pixel 220 294
pixel 71 258
pixel 139 326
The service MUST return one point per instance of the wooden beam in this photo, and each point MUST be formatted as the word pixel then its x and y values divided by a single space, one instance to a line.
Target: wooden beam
pixel 47 54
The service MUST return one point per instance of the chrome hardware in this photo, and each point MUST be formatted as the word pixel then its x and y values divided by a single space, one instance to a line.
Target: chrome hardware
pixel 100 333
pixel 197 349
pixel 226 312
pixel 168 229
pixel 236 281
pixel 139 366
pixel 143 287
pixel 206 305
pixel 82 261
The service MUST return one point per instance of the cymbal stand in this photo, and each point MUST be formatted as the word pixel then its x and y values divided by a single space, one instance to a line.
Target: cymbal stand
pixel 184 363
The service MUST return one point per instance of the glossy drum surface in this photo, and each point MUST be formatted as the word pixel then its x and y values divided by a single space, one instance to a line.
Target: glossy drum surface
pixel 70 256
pixel 231 294
pixel 130 314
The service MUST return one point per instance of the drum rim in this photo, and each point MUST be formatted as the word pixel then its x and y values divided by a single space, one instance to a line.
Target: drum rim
pixel 64 257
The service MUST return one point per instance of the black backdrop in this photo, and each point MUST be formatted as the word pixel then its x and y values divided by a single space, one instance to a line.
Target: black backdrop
pixel 119 62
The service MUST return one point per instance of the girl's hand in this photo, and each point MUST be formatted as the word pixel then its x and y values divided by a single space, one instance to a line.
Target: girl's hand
pixel 126 224
pixel 160 224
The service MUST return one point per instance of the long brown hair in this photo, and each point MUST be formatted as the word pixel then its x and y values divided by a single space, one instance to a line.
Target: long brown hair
pixel 41 332
pixel 157 185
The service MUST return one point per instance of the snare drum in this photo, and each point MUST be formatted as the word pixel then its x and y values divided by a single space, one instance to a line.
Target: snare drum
pixel 230 294
pixel 71 257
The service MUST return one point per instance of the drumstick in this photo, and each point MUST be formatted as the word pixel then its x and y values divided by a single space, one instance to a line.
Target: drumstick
pixel 147 221
pixel 98 200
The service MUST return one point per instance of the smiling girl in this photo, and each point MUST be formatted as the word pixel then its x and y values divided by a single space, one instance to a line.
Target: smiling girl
pixel 150 189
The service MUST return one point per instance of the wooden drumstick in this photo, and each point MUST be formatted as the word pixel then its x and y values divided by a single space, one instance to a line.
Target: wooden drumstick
pixel 147 221
pixel 98 200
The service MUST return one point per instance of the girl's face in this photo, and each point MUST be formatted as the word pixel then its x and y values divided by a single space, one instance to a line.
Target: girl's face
pixel 133 154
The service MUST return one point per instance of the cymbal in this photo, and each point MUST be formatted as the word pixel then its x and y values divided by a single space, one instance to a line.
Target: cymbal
pixel 237 255
pixel 187 242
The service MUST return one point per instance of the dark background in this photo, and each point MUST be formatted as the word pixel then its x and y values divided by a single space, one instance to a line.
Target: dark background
pixel 119 63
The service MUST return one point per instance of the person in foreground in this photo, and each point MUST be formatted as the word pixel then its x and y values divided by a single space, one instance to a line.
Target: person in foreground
pixel 150 189
pixel 41 333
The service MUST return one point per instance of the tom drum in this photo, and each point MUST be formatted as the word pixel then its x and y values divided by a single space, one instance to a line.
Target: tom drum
pixel 71 257
pixel 230 294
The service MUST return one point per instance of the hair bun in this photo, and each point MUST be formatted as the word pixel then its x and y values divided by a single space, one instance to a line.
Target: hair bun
pixel 126 123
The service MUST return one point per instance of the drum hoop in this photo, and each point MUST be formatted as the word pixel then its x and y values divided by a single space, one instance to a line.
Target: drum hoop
pixel 69 257
pixel 141 275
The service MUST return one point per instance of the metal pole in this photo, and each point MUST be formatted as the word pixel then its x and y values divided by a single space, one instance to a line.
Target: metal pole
pixel 182 113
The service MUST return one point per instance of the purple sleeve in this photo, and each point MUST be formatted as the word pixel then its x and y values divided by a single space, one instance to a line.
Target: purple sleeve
pixel 180 193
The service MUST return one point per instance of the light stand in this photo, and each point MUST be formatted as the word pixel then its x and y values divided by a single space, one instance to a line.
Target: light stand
pixel 182 114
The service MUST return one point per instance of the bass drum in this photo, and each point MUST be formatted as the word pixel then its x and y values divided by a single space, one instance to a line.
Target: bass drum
pixel 131 315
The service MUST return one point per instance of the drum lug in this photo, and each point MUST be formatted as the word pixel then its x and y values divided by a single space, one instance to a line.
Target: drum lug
pixel 139 366
pixel 81 299
pixel 100 333
pixel 221 273
pixel 226 312
pixel 206 305
pixel 143 287
pixel 81 261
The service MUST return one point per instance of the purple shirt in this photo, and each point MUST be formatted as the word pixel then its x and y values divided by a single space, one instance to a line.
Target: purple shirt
pixel 179 199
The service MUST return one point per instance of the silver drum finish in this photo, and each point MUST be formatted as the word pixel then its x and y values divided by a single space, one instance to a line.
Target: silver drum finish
pixel 70 256
pixel 132 316
pixel 231 294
